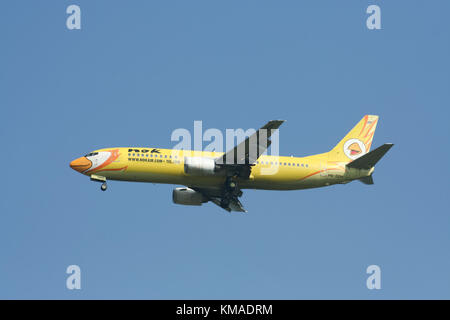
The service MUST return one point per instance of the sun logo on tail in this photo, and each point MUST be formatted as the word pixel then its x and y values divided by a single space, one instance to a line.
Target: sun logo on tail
pixel 354 148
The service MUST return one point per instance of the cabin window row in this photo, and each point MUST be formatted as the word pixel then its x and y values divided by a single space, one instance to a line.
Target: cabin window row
pixel 150 156
pixel 283 163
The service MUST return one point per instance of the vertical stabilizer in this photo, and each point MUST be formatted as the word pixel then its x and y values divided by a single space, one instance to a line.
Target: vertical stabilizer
pixel 357 142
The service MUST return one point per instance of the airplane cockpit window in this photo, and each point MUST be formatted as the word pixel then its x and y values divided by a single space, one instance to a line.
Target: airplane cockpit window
pixel 91 154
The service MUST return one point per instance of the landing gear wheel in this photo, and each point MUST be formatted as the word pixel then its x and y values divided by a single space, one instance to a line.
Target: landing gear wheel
pixel 230 183
pixel 104 186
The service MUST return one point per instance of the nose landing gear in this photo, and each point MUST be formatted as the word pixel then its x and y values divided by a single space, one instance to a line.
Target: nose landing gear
pixel 104 186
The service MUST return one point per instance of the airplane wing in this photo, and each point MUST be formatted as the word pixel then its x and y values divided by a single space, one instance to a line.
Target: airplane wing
pixel 216 197
pixel 238 161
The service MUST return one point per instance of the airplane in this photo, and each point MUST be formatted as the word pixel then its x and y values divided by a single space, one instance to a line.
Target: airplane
pixel 221 177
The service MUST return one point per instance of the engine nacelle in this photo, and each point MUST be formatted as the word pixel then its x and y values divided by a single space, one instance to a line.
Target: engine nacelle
pixel 188 197
pixel 199 166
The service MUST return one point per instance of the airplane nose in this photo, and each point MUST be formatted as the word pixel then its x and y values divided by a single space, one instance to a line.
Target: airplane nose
pixel 81 164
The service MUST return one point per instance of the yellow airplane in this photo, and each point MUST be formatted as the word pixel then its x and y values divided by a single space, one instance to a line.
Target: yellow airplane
pixel 220 177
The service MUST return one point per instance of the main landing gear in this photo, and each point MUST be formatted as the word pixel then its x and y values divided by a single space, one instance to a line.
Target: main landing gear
pixel 231 184
pixel 104 186
pixel 231 191
pixel 232 187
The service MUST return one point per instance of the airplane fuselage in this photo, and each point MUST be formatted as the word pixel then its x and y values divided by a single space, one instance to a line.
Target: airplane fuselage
pixel 220 177
pixel 269 172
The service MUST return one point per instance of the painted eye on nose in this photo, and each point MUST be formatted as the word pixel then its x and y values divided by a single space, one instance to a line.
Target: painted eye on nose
pixel 81 164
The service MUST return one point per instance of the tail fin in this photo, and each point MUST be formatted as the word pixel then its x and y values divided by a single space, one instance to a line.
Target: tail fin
pixel 357 142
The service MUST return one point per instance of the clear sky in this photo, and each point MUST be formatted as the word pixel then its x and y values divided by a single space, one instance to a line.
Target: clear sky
pixel 137 70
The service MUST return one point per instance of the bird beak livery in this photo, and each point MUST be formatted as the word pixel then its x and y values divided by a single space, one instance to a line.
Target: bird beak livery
pixel 211 176
pixel 81 164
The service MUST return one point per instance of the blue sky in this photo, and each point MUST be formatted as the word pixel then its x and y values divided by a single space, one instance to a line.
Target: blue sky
pixel 138 70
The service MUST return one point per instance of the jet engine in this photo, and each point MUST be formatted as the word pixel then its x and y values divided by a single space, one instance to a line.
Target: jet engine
pixel 199 166
pixel 188 197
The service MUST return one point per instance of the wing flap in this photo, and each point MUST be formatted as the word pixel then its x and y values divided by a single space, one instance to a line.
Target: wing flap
pixel 215 196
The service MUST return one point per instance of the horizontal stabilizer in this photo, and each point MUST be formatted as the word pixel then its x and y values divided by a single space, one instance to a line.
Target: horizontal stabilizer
pixel 367 180
pixel 369 160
